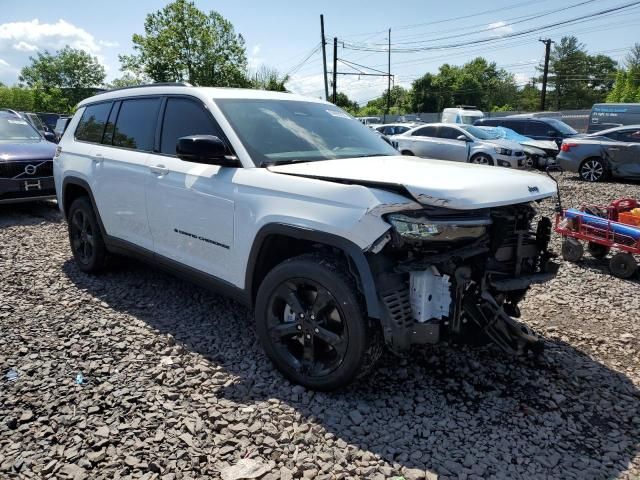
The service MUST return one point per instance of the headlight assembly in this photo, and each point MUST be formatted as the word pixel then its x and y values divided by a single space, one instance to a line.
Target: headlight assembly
pixel 503 151
pixel 424 229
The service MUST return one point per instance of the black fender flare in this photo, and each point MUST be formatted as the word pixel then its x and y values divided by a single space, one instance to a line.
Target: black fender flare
pixel 351 250
pixel 71 180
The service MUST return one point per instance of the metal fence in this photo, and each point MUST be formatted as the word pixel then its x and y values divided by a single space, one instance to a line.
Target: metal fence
pixel 578 119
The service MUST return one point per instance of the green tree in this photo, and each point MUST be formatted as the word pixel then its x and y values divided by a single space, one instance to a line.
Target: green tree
pixel 182 43
pixel 266 78
pixel 577 79
pixel 17 98
pixel 425 98
pixel 632 60
pixel 128 80
pixel 65 77
pixel 616 93
pixel 343 101
pixel 529 97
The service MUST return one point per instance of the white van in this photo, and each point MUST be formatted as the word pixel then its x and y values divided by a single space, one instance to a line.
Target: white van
pixel 461 114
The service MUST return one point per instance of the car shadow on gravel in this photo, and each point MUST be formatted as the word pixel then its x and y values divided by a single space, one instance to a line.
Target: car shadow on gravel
pixel 29 213
pixel 601 266
pixel 453 410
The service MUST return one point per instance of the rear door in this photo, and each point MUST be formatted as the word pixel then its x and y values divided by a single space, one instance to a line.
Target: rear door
pixel 123 175
pixel 449 147
pixel 190 205
pixel 421 142
pixel 626 153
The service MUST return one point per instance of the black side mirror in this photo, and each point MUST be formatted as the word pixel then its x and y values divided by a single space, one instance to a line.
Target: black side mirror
pixel 51 137
pixel 207 149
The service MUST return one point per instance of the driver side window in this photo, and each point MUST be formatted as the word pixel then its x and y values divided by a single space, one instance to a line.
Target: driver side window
pixel 183 117
pixel 449 133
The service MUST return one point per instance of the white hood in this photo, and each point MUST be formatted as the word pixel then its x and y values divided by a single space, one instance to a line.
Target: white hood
pixel 543 144
pixel 433 182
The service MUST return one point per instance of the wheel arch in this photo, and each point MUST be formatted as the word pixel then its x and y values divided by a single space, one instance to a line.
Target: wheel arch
pixel 74 187
pixel 275 242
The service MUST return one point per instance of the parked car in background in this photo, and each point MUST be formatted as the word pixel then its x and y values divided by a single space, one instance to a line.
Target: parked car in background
pixel 38 124
pixel 609 153
pixel 460 143
pixel 610 115
pixel 49 119
pixel 369 121
pixel 26 161
pixel 465 114
pixel 395 128
pixel 60 127
pixel 538 128
pixel 541 152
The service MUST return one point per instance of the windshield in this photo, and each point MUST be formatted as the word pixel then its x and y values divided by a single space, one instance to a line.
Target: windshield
pixel 478 132
pixel 506 134
pixel 12 129
pixel 282 131
pixel 561 126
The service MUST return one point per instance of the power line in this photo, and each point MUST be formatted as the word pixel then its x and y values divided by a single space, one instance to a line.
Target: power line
pixel 503 37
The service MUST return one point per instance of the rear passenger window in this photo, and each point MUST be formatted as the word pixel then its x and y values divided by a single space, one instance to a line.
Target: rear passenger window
pixel 517 127
pixel 91 125
pixel 136 124
pixel 425 132
pixel 538 129
pixel 183 117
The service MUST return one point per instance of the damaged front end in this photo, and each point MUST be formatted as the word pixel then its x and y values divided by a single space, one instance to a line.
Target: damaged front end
pixel 451 274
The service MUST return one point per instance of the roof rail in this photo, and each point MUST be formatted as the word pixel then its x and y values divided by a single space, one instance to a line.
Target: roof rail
pixel 8 110
pixel 157 84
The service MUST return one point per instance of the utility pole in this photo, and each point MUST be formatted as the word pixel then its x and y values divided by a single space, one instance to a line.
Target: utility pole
pixel 388 82
pixel 324 58
pixel 543 97
pixel 335 69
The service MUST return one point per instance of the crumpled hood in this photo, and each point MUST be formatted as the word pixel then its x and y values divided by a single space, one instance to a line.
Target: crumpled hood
pixel 510 144
pixel 42 150
pixel 546 145
pixel 432 182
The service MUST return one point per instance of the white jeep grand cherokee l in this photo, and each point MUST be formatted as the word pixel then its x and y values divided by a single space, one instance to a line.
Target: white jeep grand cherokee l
pixel 339 244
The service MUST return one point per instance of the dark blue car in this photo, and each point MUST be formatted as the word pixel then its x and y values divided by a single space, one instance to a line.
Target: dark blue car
pixel 26 161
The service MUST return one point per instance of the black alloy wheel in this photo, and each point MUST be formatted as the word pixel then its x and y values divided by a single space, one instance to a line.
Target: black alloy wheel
pixel 312 324
pixel 85 237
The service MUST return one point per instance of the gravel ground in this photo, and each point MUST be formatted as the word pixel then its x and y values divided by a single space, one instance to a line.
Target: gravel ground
pixel 174 385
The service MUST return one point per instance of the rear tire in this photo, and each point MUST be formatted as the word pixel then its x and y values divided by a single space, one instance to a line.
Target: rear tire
pixel 623 265
pixel 572 250
pixel 593 170
pixel 312 325
pixel 85 237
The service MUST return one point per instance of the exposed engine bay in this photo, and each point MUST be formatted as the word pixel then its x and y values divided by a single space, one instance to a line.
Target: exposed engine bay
pixel 451 274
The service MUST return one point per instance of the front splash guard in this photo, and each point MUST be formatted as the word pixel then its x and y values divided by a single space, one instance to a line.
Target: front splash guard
pixel 510 335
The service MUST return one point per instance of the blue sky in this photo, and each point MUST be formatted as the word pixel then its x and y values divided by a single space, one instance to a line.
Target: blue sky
pixel 282 34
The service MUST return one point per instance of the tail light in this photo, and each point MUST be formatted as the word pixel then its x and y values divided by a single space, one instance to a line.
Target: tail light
pixel 565 147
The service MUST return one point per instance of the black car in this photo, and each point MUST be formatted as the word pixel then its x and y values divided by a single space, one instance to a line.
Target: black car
pixel 26 161
pixel 538 128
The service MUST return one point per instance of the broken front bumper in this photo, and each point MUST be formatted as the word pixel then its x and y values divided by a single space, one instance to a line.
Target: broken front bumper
pixel 474 287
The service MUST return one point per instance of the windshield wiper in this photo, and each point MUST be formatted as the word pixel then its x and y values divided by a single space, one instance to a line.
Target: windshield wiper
pixel 284 162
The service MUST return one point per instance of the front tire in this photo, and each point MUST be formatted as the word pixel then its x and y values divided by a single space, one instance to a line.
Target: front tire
pixel 481 159
pixel 593 170
pixel 85 238
pixel 311 322
pixel 623 265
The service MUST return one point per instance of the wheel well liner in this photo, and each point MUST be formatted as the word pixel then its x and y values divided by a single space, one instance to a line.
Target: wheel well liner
pixel 265 253
pixel 74 187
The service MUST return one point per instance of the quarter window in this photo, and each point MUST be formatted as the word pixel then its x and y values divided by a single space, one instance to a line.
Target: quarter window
pixel 183 117
pixel 91 125
pixel 136 124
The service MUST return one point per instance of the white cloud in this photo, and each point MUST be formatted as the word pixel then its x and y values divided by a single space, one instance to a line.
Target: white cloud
pixel 23 46
pixel 499 28
pixel 254 60
pixel 4 63
pixel 521 78
pixel 108 44
pixel 51 36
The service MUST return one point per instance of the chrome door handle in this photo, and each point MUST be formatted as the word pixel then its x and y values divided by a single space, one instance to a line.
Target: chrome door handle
pixel 160 170
pixel 613 149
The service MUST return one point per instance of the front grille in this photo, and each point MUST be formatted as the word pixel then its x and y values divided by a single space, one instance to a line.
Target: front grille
pixel 42 168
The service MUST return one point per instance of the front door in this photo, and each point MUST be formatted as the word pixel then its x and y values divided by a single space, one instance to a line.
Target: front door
pixel 190 205
pixel 627 153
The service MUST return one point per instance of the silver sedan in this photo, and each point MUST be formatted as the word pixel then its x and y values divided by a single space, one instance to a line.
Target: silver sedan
pixel 609 153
